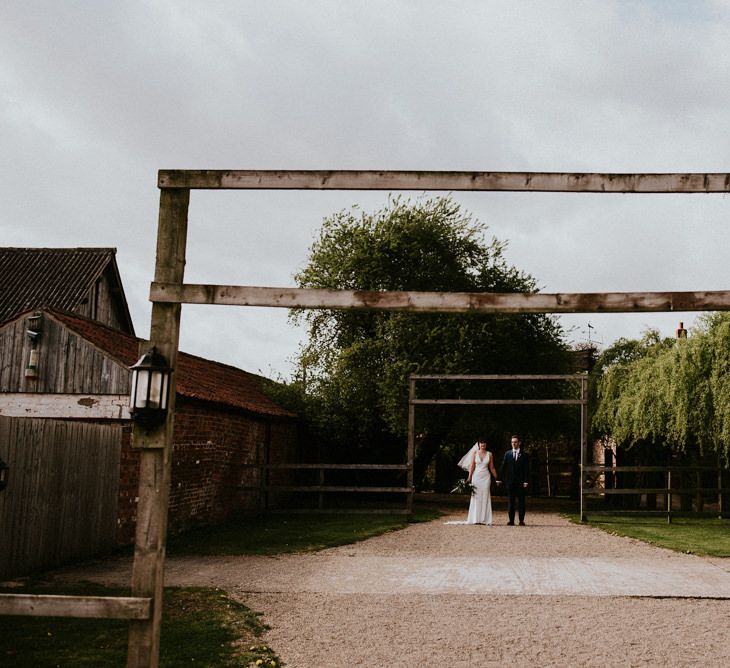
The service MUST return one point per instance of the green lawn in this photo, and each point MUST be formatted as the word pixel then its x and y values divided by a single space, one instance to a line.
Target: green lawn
pixel 200 627
pixel 276 534
pixel 707 537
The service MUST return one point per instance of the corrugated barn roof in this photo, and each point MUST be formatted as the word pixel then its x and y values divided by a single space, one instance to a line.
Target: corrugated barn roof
pixel 55 277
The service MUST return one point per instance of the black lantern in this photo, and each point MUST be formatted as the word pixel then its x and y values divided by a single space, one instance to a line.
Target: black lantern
pixel 4 468
pixel 150 389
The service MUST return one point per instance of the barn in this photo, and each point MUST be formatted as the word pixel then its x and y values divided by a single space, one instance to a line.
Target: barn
pixel 65 432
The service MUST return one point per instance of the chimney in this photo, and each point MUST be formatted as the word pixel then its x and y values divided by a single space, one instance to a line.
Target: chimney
pixel 681 332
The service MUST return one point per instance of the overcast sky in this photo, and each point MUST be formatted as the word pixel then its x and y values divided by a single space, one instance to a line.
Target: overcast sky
pixel 96 96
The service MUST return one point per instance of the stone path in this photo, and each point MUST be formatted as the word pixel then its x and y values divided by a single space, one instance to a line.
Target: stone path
pixel 686 577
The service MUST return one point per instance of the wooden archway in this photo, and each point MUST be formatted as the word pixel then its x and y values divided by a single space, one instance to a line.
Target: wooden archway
pixel 168 292
pixel 414 401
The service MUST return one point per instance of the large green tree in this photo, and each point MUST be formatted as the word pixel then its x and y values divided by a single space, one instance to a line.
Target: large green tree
pixel 356 363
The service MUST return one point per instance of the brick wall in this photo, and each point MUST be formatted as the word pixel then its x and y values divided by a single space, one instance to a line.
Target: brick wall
pixel 128 488
pixel 213 450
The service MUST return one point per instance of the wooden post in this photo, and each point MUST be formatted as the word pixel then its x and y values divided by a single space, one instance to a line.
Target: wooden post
pixel 719 488
pixel 669 494
pixel 262 461
pixel 156 445
pixel 267 469
pixel 411 441
pixel 262 481
pixel 583 440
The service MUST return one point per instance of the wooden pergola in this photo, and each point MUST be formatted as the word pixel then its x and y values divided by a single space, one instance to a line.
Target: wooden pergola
pixel 168 292
pixel 414 401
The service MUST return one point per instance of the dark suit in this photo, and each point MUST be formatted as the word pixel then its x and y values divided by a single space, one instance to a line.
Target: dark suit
pixel 514 473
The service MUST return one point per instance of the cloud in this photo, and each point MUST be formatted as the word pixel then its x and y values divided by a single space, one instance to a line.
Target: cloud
pixel 96 97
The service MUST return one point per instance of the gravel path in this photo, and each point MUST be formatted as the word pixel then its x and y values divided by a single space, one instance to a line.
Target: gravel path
pixel 433 594
pixel 449 626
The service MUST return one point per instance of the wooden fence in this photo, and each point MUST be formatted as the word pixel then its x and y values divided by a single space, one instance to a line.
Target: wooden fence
pixel 60 503
pixel 556 476
pixel 670 491
pixel 322 488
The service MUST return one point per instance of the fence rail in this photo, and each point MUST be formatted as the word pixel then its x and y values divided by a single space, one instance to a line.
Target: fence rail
pixel 668 490
pixel 654 513
pixel 649 469
pixel 99 607
pixel 344 467
pixel 650 490
pixel 320 487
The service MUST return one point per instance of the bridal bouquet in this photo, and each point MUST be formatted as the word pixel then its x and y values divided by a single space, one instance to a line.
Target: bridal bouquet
pixel 464 487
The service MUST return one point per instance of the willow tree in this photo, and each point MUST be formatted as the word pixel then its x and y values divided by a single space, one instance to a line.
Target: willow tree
pixel 357 363
pixel 717 337
pixel 673 393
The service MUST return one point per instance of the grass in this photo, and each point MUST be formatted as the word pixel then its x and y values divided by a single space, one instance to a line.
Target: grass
pixel 702 536
pixel 276 534
pixel 201 626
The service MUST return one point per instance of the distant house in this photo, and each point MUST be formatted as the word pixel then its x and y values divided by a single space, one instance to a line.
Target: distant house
pixel 84 281
pixel 65 430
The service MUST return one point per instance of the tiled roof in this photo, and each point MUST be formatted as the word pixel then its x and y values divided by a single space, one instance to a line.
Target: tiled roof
pixel 197 378
pixel 56 277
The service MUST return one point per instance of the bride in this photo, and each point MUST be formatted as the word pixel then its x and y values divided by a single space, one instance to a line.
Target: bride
pixel 481 471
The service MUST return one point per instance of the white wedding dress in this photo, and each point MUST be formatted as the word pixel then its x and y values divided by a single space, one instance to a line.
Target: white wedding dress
pixel 480 506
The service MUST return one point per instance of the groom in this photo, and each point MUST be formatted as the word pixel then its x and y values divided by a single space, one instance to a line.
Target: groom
pixel 515 472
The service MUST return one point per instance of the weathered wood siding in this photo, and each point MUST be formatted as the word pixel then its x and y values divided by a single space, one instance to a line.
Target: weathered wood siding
pixel 102 303
pixel 61 500
pixel 67 364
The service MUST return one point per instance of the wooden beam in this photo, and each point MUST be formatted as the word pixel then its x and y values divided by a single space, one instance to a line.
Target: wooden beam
pixel 663 513
pixel 100 607
pixel 498 376
pixel 600 468
pixel 441 302
pixel 637 513
pixel 500 402
pixel 293 179
pixel 597 491
pixel 65 406
pixel 340 511
pixel 336 467
pixel 337 488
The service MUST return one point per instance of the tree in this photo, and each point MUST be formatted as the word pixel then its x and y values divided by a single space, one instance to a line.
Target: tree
pixel 628 402
pixel 357 363
pixel 673 393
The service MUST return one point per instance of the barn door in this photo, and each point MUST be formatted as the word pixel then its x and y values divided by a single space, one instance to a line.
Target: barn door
pixel 60 503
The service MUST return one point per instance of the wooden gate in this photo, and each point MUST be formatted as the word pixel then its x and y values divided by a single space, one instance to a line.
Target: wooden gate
pixel 61 500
